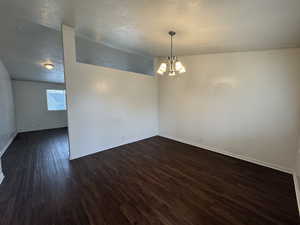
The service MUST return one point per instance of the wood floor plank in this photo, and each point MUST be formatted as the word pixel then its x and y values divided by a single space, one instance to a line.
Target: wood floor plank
pixel 156 181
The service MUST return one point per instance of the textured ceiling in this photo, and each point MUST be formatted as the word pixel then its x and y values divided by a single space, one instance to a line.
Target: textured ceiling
pixel 25 47
pixel 30 29
pixel 203 26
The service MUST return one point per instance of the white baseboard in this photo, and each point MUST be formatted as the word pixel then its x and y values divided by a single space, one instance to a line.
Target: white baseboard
pixel 297 190
pixel 3 151
pixel 234 155
pixel 1 177
pixel 105 148
pixel 22 130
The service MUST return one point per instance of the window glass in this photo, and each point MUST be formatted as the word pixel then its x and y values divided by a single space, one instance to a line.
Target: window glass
pixel 56 100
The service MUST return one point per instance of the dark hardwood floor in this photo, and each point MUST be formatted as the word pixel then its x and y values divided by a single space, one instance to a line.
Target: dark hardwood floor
pixel 154 181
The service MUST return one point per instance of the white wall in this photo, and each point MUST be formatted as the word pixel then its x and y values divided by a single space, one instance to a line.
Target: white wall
pixel 297 167
pixel 7 116
pixel 31 106
pixel 106 107
pixel 246 104
pixel 243 104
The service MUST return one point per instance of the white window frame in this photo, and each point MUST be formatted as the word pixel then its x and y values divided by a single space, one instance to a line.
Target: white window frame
pixel 58 90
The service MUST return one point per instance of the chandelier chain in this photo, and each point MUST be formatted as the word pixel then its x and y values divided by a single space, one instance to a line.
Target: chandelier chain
pixel 171 47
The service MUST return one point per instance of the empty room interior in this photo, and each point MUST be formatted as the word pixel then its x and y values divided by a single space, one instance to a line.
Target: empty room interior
pixel 162 112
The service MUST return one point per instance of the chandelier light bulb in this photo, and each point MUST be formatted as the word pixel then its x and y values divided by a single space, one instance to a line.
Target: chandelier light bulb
pixel 172 73
pixel 182 70
pixel 178 66
pixel 162 68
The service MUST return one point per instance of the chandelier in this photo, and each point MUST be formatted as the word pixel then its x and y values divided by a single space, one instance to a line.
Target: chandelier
pixel 173 66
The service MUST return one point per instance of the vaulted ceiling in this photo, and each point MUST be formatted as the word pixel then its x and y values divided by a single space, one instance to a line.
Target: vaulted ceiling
pixel 26 46
pixel 30 29
pixel 203 26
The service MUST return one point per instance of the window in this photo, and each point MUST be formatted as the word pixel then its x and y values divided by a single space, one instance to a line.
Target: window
pixel 56 100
